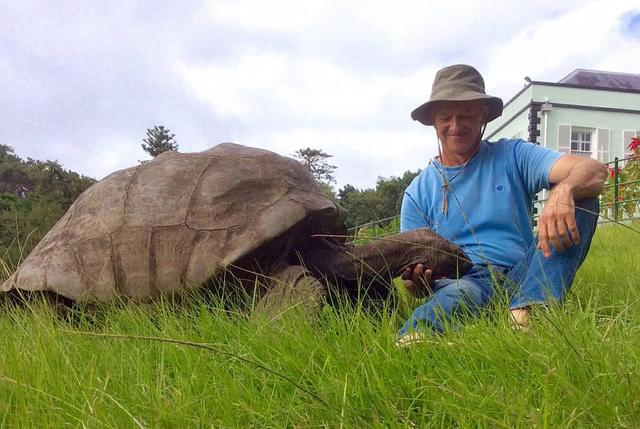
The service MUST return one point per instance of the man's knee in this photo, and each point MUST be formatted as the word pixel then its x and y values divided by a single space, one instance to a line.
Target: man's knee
pixel 592 203
pixel 462 292
pixel 587 212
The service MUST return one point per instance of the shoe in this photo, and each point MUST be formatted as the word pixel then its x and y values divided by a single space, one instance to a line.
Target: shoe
pixel 520 319
pixel 411 339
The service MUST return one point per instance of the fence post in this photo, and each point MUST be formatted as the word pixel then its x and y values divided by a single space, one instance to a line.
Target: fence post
pixel 615 188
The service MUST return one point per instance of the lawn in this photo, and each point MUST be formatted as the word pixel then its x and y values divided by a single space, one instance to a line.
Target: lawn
pixel 197 365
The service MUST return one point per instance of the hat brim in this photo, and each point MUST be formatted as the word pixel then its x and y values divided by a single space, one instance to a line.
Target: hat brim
pixel 424 113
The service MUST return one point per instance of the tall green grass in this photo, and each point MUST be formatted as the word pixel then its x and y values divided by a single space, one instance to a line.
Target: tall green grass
pixel 197 365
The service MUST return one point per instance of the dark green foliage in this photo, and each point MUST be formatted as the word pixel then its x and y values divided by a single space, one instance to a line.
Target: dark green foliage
pixel 327 189
pixel 368 205
pixel 13 173
pixel 159 139
pixel 33 196
pixel 363 205
pixel 373 230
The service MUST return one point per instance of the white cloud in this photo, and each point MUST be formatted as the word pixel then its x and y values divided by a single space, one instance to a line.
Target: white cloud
pixel 288 16
pixel 360 156
pixel 264 84
pixel 589 37
pixel 406 28
pixel 108 153
pixel 81 85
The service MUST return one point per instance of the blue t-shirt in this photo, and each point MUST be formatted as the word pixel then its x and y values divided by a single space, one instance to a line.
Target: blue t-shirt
pixel 489 202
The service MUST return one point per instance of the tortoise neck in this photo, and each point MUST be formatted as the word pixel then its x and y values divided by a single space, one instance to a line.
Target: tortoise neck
pixel 374 264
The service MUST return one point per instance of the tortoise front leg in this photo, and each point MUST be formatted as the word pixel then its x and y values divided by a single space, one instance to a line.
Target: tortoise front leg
pixel 289 288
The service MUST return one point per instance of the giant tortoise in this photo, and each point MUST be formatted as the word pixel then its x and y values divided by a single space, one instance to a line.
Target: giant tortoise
pixel 182 219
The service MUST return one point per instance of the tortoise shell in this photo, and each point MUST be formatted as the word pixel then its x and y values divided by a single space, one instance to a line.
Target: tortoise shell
pixel 173 223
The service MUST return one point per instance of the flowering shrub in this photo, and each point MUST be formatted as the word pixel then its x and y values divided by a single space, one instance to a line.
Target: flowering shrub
pixel 628 179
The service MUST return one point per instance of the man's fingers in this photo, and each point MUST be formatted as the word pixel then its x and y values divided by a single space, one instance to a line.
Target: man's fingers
pixel 563 239
pixel 417 274
pixel 543 239
pixel 552 231
pixel 423 280
pixel 573 231
pixel 428 273
pixel 417 279
pixel 428 277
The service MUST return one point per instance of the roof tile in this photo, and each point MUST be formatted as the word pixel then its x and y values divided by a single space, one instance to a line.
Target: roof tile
pixel 602 79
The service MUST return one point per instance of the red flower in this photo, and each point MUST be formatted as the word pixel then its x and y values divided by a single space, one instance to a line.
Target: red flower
pixel 612 172
pixel 635 143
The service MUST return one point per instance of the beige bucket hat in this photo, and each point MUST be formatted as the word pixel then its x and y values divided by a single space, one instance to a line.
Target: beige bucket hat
pixel 459 82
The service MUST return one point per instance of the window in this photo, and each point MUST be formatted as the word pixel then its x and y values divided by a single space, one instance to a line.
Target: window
pixel 581 141
pixel 585 141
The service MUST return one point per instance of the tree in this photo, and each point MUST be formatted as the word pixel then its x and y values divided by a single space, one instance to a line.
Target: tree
pixel 33 196
pixel 391 191
pixel 362 206
pixel 315 160
pixel 159 139
pixel 369 205
pixel 7 154
pixel 346 190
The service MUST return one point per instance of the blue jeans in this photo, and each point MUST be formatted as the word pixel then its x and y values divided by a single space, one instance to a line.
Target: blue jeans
pixel 533 280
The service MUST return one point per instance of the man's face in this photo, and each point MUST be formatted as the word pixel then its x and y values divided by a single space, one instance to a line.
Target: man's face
pixel 458 125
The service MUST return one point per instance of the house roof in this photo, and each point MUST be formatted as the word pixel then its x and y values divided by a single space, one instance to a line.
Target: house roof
pixel 602 79
pixel 590 79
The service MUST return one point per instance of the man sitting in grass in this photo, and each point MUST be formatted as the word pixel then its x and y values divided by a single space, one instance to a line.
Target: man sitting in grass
pixel 479 194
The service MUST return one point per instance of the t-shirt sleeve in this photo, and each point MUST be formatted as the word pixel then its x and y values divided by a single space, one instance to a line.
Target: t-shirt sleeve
pixel 534 164
pixel 412 214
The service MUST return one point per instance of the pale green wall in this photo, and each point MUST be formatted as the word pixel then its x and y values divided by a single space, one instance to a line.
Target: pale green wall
pixel 614 121
pixel 519 125
pixel 586 97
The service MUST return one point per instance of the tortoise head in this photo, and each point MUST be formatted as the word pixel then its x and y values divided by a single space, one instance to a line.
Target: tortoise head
pixel 387 257
pixel 426 247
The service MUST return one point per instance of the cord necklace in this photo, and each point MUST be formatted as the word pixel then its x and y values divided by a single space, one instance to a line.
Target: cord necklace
pixel 446 183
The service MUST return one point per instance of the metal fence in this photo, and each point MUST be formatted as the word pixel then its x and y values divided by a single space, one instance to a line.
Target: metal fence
pixel 614 207
pixel 621 208
pixel 376 228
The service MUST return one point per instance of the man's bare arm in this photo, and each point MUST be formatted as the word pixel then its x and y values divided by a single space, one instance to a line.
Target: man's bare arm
pixel 573 178
pixel 583 176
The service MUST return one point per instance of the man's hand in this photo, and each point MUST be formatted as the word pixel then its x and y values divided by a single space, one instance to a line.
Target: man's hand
pixel 557 222
pixel 417 281
pixel 575 178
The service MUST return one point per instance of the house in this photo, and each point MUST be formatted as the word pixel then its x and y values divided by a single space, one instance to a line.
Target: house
pixel 587 113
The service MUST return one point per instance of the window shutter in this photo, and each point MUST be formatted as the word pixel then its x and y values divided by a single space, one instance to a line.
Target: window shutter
pixel 604 149
pixel 564 138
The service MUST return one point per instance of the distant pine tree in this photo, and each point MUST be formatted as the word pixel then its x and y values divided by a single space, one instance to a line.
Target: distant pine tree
pixel 159 139
pixel 315 160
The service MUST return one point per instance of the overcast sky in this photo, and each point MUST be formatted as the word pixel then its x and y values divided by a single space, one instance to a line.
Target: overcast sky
pixel 81 81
